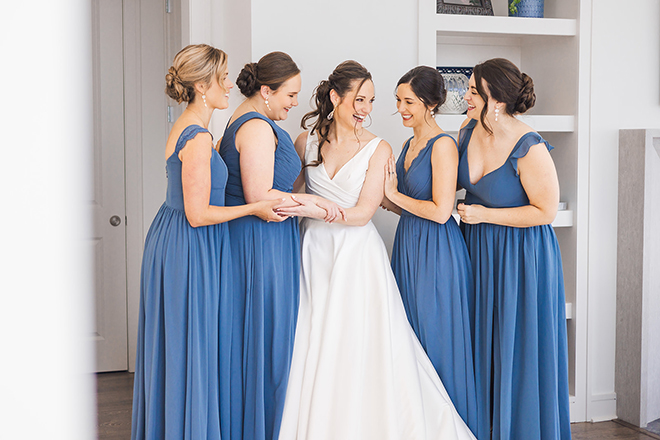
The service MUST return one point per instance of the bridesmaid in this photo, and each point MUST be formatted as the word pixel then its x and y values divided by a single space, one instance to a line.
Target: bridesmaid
pixel 263 165
pixel 429 257
pixel 512 195
pixel 185 265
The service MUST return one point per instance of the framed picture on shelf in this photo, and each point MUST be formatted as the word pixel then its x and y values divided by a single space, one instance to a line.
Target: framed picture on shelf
pixel 464 7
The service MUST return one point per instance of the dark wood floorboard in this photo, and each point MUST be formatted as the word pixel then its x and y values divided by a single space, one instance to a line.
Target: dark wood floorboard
pixel 115 394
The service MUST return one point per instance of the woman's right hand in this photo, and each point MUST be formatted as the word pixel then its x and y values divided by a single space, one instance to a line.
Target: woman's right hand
pixel 333 210
pixel 391 181
pixel 265 210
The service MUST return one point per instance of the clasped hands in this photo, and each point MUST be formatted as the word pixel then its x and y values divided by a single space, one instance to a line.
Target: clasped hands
pixel 307 205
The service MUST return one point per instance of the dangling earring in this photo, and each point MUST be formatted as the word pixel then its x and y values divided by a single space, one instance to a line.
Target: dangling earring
pixel 266 102
pixel 331 114
pixel 204 99
pixel 497 113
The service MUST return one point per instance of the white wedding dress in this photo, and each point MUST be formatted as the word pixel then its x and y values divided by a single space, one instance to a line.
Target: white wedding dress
pixel 358 370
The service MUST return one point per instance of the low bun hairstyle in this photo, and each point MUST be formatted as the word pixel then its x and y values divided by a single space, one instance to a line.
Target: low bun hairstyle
pixel 347 76
pixel 427 84
pixel 506 84
pixel 193 64
pixel 272 70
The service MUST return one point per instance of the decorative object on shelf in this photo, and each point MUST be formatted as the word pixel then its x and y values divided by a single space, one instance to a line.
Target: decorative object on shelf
pixel 454 104
pixel 526 8
pixel 456 85
pixel 464 7
pixel 467 71
pixel 563 206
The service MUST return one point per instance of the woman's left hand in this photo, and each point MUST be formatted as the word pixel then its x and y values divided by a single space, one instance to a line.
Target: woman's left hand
pixel 307 207
pixel 391 181
pixel 471 214
pixel 333 210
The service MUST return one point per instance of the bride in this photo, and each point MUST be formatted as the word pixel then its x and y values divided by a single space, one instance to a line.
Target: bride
pixel 358 370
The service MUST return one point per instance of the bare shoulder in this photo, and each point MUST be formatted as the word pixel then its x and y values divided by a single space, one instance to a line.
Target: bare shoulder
pixel 255 130
pixel 444 142
pixel 383 151
pixel 444 147
pixel 301 143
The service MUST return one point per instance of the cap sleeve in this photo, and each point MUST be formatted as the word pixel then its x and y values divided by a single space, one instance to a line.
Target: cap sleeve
pixel 189 133
pixel 524 144
pixel 464 136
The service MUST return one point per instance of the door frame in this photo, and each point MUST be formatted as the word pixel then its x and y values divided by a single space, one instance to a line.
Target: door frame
pixel 138 97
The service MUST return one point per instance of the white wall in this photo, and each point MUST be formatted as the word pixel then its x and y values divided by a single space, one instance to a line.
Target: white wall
pixel 382 35
pixel 625 93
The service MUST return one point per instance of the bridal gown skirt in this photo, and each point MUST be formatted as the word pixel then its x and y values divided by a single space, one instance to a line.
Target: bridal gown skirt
pixel 358 370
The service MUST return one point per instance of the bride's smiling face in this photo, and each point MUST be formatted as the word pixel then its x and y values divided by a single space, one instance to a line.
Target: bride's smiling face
pixel 356 105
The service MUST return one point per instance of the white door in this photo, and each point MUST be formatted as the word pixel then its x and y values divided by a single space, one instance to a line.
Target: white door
pixel 107 202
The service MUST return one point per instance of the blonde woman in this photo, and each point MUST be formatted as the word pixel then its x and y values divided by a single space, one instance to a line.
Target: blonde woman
pixel 185 271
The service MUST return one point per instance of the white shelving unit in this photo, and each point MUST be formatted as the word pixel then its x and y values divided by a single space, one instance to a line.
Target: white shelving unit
pixel 555 52
pixel 540 123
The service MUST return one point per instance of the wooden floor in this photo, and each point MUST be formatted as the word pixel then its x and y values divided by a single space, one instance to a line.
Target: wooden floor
pixel 115 392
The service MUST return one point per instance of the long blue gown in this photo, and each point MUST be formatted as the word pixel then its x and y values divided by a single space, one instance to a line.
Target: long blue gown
pixel 185 274
pixel 521 355
pixel 433 271
pixel 266 257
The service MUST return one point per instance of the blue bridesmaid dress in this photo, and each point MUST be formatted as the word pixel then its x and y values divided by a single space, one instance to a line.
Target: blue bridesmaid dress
pixel 266 265
pixel 521 354
pixel 433 271
pixel 185 273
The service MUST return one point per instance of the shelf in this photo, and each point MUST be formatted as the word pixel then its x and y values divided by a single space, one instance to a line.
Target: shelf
pixel 569 311
pixel 540 123
pixel 564 219
pixel 450 24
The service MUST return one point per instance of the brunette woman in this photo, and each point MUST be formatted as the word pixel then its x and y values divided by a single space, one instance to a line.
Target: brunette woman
pixel 512 193
pixel 358 370
pixel 429 257
pixel 262 165
pixel 186 266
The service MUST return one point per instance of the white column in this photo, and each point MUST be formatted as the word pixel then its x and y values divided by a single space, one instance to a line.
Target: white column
pixel 637 379
pixel 45 278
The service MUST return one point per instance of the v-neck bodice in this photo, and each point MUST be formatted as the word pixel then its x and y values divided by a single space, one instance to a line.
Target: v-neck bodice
pixel 344 188
pixel 417 181
pixel 500 188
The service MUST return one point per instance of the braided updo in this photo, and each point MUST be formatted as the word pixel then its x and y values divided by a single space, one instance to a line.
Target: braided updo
pixel 272 70
pixel 194 64
pixel 507 84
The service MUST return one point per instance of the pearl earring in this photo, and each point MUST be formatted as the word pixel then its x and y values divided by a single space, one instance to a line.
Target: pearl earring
pixel 497 113
pixel 204 99
pixel 266 102
pixel 432 114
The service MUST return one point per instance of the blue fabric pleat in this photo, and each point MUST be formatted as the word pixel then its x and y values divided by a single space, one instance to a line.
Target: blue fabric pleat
pixel 257 349
pixel 433 272
pixel 519 336
pixel 185 273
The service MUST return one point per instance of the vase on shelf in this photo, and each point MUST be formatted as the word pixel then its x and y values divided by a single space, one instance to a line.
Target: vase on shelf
pixel 526 8
pixel 457 85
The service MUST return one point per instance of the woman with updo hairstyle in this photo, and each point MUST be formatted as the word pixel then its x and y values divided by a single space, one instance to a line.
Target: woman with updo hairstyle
pixel 512 194
pixel 358 370
pixel 429 257
pixel 263 165
pixel 186 272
